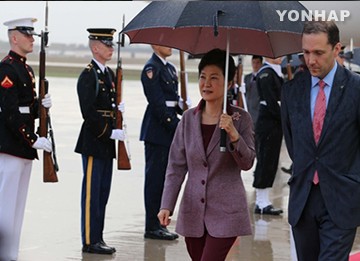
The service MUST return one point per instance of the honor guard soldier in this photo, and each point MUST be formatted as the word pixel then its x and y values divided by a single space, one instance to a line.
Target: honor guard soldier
pixel 96 142
pixel 160 85
pixel 18 140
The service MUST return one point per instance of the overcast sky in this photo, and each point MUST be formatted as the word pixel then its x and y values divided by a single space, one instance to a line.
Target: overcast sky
pixel 68 21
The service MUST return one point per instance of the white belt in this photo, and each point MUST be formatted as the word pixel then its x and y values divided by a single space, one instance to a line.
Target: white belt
pixel 264 103
pixel 23 109
pixel 171 103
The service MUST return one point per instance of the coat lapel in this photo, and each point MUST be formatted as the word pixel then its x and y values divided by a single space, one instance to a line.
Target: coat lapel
pixel 214 141
pixel 305 106
pixel 337 91
pixel 198 134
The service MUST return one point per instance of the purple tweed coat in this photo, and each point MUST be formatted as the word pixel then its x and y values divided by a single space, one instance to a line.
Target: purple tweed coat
pixel 214 195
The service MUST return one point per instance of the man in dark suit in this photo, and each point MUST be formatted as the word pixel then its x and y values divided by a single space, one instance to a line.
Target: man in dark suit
pixel 160 84
pixel 324 201
pixel 96 142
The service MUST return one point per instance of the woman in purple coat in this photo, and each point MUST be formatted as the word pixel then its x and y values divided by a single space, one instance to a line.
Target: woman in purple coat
pixel 213 209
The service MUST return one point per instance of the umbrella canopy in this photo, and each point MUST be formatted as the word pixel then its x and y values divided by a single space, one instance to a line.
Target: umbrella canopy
pixel 239 27
pixel 252 27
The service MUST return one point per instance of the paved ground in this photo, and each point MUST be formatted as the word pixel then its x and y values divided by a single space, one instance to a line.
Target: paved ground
pixel 51 228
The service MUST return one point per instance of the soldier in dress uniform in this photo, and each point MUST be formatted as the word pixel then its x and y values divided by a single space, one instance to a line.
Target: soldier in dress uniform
pixel 18 141
pixel 160 85
pixel 96 142
pixel 341 57
pixel 251 94
pixel 268 134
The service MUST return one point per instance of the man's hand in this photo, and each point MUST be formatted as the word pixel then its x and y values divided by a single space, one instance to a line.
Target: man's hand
pixel 46 101
pixel 117 134
pixel 42 143
pixel 121 107
pixel 181 102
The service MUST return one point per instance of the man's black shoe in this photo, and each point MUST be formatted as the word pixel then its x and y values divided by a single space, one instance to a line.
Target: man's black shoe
pixel 98 248
pixel 102 242
pixel 174 234
pixel 160 234
pixel 268 210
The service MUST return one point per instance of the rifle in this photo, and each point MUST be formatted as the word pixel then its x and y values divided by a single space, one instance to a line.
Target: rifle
pixel 288 66
pixel 50 166
pixel 183 80
pixel 123 158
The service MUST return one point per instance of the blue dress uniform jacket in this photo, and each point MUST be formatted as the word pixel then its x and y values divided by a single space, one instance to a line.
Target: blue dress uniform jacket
pixel 97 104
pixel 268 132
pixel 96 92
pixel 160 83
pixel 19 107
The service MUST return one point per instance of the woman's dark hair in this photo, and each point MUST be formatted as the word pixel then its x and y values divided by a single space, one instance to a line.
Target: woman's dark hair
pixel 217 57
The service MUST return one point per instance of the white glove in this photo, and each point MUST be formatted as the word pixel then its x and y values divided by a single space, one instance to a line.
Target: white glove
pixel 46 101
pixel 121 107
pixel 181 102
pixel 42 143
pixel 117 134
pixel 188 102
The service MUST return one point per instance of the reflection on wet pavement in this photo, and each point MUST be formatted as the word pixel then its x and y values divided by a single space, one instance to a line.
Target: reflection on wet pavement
pixel 51 229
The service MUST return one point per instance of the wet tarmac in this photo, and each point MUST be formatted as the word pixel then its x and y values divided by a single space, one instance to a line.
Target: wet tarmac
pixel 51 229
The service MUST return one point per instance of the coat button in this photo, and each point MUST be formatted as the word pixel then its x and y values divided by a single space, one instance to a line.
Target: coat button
pixel 202 200
pixel 205 164
pixel 203 182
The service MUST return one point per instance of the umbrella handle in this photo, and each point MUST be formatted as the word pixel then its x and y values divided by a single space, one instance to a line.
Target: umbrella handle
pixel 222 140
pixel 223 132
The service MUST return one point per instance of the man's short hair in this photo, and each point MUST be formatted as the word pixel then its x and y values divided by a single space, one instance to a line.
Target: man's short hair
pixel 257 57
pixel 328 27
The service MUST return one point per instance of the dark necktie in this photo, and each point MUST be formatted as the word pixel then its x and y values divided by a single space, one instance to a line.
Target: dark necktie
pixel 168 66
pixel 318 120
pixel 107 76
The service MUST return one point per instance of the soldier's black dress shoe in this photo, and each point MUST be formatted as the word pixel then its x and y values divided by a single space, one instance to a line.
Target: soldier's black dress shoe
pixel 268 210
pixel 98 248
pixel 161 234
pixel 102 242
pixel 174 234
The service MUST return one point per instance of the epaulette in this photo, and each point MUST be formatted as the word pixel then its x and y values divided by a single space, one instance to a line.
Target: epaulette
pixel 89 67
pixel 263 75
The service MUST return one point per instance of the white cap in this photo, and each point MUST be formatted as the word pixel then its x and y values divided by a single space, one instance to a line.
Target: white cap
pixel 24 25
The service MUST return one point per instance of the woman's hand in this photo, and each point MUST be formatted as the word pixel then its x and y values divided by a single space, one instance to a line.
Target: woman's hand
pixel 164 217
pixel 227 124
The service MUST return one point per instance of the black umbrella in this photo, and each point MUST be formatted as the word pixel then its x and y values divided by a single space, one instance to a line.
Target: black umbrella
pixel 254 27
pixel 239 27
